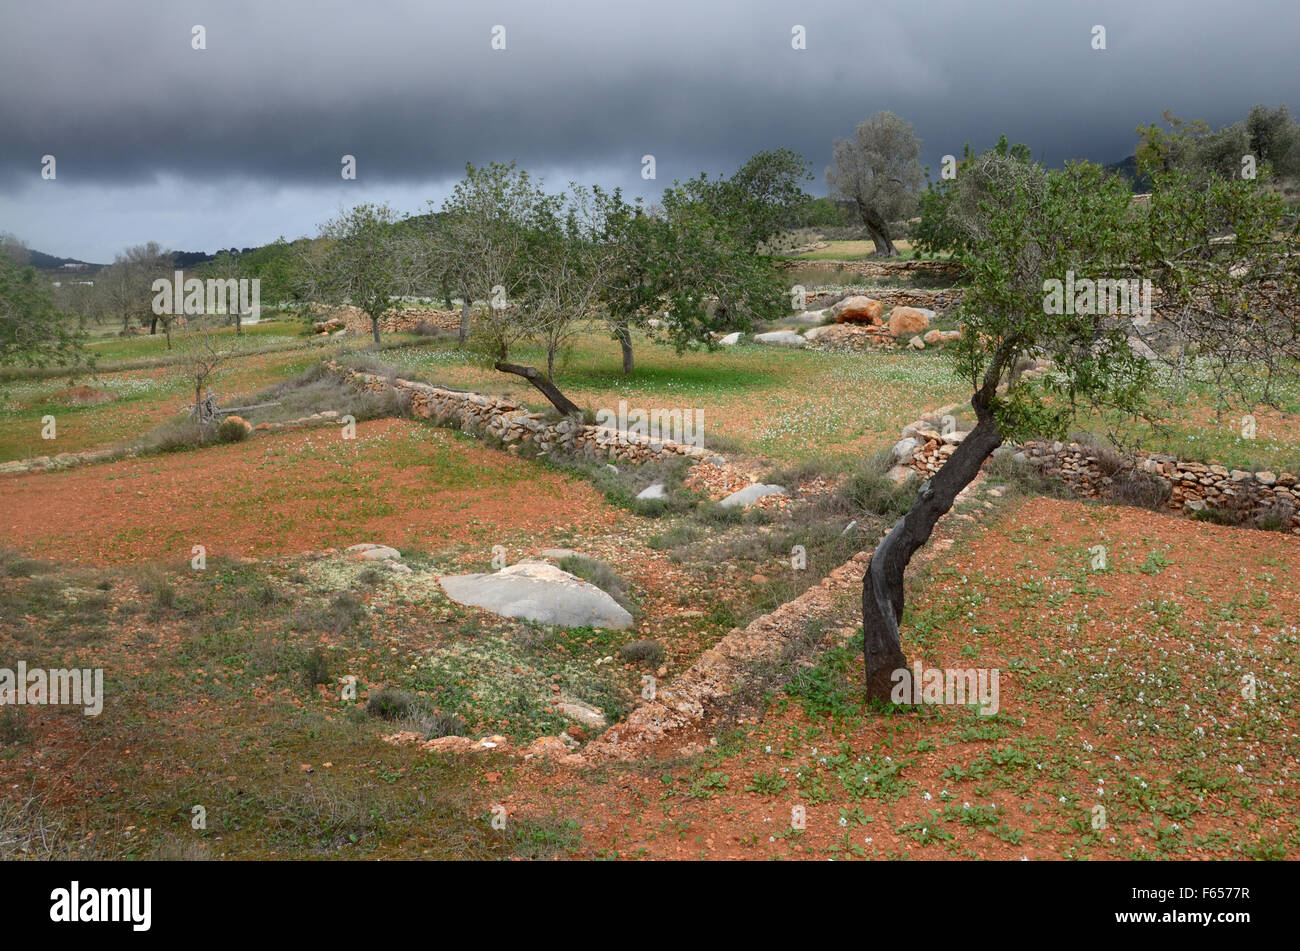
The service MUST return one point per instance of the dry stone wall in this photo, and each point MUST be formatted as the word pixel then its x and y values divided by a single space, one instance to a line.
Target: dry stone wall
pixel 517 426
pixel 1242 496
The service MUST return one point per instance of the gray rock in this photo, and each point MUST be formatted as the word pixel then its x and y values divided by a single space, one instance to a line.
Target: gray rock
pixel 731 339
pixel 809 317
pixel 812 333
pixel 583 714
pixel 371 552
pixel 537 591
pixel 905 449
pixel 1195 505
pixel 786 338
pixel 612 468
pixel 850 527
pixel 715 461
pixel 750 494
pixel 654 491
pixel 902 474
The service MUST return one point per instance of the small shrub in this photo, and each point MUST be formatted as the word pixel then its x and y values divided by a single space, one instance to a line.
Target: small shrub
pixel 389 704
pixel 645 652
pixel 177 435
pixel 315 668
pixel 1143 489
pixel 1277 516
pixel 232 430
pixel 13 727
pixel 433 724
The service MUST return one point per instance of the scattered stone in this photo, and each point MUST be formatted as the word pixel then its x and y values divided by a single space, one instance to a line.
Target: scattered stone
pixel 653 491
pixel 585 716
pixel 372 552
pixel 916 343
pixel 785 337
pixel 750 494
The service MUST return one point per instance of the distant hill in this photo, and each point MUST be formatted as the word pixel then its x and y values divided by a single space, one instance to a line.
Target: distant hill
pixel 48 262
pixel 1128 169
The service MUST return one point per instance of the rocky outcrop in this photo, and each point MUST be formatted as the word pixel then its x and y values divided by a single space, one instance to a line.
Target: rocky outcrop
pixel 540 592
pixel 857 310
pixel 909 321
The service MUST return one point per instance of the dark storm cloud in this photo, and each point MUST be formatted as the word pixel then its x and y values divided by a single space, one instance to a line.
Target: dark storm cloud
pixel 240 142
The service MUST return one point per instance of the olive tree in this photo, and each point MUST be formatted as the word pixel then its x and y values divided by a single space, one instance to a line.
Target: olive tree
pixel 879 171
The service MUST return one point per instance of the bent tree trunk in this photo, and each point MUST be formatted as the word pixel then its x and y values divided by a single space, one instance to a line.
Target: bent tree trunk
pixel 878 228
pixel 543 384
pixel 623 335
pixel 882 585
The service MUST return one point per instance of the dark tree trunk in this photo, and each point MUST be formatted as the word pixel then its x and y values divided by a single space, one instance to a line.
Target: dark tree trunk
pixel 543 384
pixel 464 321
pixel 878 228
pixel 374 326
pixel 153 326
pixel 623 334
pixel 882 585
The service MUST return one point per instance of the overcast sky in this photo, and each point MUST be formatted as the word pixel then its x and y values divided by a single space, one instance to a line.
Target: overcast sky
pixel 241 142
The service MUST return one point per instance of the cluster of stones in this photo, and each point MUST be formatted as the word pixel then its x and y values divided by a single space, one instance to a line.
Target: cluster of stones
pixel 1194 486
pixel 936 300
pixel 516 426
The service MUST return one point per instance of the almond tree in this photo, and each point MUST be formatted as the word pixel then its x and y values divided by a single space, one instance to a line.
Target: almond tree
pixel 1233 298
pixel 477 241
pixel 362 259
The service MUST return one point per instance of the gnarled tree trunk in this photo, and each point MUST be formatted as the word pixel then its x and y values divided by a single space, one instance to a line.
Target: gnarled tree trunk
pixel 543 384
pixel 882 585
pixel 878 228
